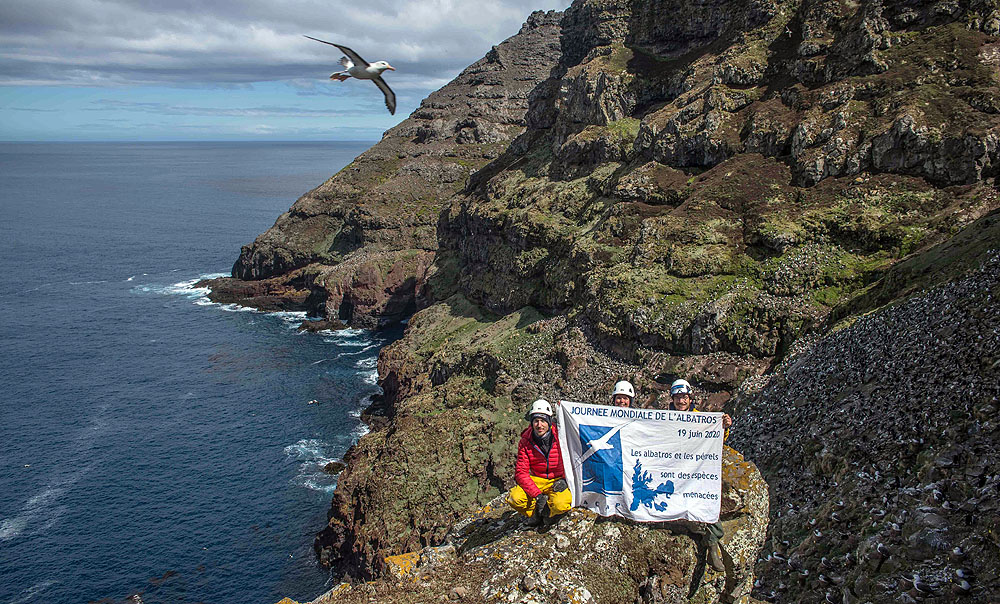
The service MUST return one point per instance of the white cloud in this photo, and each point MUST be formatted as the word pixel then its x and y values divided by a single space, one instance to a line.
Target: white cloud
pixel 196 42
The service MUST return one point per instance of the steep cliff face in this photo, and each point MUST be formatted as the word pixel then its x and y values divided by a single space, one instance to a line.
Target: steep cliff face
pixel 358 247
pixel 710 184
pixel 699 186
pixel 693 188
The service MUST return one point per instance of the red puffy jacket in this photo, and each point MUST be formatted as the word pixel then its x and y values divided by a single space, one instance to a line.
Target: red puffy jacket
pixel 532 462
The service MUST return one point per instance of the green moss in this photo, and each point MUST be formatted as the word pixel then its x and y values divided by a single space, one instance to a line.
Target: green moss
pixel 626 128
pixel 925 269
pixel 615 60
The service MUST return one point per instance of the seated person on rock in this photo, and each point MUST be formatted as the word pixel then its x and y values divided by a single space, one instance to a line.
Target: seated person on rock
pixel 541 492
pixel 623 394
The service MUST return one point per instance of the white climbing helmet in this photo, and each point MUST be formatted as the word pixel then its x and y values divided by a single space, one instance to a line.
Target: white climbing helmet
pixel 680 387
pixel 540 407
pixel 623 387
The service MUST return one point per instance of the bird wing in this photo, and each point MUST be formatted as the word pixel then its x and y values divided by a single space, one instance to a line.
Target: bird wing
pixel 353 56
pixel 390 96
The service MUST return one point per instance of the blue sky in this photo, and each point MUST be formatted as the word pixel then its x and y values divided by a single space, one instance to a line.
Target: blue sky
pixel 131 70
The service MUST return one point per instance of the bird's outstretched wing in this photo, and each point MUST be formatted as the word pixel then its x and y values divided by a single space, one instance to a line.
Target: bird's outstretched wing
pixel 602 442
pixel 390 96
pixel 353 56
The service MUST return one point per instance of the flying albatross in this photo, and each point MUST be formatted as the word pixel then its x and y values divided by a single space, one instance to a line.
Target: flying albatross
pixel 355 66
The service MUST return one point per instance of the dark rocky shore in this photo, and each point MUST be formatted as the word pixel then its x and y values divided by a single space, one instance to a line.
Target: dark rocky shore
pixel 790 203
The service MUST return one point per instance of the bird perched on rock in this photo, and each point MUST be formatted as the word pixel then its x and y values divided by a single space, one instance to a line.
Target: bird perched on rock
pixel 962 587
pixel 958 553
pixel 356 67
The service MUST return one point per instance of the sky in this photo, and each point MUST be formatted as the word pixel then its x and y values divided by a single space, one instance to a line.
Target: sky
pixel 138 70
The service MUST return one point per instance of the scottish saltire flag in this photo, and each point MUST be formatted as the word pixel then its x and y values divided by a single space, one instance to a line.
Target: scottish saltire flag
pixel 649 465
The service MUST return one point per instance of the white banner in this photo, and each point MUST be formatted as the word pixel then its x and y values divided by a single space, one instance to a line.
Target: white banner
pixel 649 465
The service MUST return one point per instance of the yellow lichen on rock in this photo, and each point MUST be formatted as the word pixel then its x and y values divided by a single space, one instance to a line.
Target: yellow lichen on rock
pixel 330 596
pixel 402 566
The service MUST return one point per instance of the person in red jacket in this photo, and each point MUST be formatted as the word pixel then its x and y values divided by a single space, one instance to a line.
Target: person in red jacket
pixel 541 492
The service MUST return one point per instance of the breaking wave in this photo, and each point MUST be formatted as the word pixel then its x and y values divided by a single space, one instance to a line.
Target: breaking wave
pixel 313 455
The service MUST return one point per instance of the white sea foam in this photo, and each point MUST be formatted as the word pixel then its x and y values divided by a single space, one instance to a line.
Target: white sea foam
pixel 199 295
pixel 313 455
pixel 356 352
pixel 183 288
pixel 371 377
pixel 367 363
pixel 227 307
pixel 318 486
pixel 340 335
pixel 292 317
pixel 31 594
pixel 307 448
pixel 13 527
pixel 38 513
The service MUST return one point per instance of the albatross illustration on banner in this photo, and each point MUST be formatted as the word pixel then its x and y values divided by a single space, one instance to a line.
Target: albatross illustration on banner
pixel 601 465
pixel 356 67
pixel 601 443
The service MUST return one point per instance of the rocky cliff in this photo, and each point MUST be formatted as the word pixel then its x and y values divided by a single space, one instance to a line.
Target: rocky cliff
pixel 701 189
pixel 491 556
pixel 906 507
pixel 358 247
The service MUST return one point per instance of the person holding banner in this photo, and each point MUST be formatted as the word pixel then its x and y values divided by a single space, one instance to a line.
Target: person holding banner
pixel 541 492
pixel 623 394
pixel 680 400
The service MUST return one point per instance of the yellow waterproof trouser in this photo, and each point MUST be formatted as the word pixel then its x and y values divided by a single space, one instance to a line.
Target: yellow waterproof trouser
pixel 559 503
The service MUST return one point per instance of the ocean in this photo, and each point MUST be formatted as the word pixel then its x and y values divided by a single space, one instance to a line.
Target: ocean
pixel 154 446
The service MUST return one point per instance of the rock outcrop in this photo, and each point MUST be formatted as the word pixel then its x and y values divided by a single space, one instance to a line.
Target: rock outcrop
pixel 493 557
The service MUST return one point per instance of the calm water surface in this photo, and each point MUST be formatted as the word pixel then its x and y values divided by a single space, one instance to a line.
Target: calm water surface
pixel 152 442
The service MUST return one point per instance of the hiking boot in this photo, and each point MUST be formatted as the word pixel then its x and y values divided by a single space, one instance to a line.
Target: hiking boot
pixel 715 557
pixel 534 520
pixel 551 520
